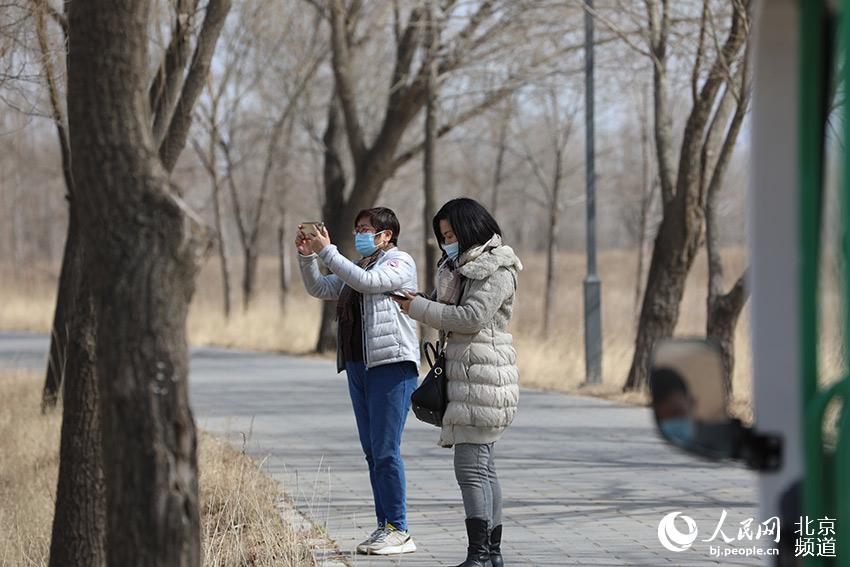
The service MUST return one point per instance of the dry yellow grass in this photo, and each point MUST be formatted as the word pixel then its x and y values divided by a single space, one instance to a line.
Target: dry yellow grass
pixel 556 363
pixel 29 445
pixel 240 521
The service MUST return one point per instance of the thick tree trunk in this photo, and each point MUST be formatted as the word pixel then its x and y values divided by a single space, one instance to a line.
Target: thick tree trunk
pixel 335 214
pixel 339 223
pixel 672 257
pixel 683 191
pixel 146 251
pixel 79 522
pixel 723 314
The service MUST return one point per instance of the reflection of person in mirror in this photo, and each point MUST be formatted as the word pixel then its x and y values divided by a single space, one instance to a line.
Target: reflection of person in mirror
pixel 673 406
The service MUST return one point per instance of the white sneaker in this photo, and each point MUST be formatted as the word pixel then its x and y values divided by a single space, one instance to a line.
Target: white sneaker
pixel 361 547
pixel 391 541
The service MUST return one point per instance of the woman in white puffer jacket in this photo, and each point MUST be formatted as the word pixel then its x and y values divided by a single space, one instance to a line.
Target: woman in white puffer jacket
pixel 475 289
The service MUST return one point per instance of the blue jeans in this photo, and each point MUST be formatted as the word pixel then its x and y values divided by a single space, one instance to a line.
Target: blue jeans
pixel 381 400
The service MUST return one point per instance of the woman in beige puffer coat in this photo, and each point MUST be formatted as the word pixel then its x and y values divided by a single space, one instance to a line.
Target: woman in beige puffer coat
pixel 475 289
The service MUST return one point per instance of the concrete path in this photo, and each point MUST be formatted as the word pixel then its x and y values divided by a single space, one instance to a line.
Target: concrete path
pixel 585 481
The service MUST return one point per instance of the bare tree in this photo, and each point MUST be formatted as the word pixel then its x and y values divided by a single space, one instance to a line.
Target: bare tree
pixel 648 191
pixel 724 307
pixel 501 149
pixel 683 191
pixel 559 126
pixel 140 248
pixel 209 159
pixel 250 67
pixel 485 34
pixel 70 275
pixel 79 528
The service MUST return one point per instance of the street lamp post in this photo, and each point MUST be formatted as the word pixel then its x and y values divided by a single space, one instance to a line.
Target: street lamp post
pixel 592 283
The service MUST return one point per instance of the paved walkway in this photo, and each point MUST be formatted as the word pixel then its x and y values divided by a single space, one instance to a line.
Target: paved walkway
pixel 585 481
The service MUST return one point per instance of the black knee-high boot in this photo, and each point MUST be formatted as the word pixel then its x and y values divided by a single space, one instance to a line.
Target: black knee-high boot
pixel 478 551
pixel 496 546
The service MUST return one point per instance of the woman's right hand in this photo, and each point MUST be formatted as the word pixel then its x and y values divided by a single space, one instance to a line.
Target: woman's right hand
pixel 302 243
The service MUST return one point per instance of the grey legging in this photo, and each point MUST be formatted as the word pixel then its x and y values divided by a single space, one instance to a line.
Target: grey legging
pixel 479 485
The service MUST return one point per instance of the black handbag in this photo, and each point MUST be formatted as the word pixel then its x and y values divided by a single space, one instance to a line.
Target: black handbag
pixel 430 399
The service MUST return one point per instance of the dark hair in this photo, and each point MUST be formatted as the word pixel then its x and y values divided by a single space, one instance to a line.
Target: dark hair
pixel 471 222
pixel 664 382
pixel 381 218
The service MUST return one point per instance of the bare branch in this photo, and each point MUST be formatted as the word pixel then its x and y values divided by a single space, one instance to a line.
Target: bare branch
pixel 624 35
pixel 178 130
pixel 165 87
pixel 700 52
pixel 40 8
pixel 663 123
pixel 341 60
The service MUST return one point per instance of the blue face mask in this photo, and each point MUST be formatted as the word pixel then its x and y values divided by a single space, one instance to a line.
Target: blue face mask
pixel 452 250
pixel 678 430
pixel 365 243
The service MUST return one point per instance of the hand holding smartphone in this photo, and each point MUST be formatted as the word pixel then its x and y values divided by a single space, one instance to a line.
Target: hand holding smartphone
pixel 311 228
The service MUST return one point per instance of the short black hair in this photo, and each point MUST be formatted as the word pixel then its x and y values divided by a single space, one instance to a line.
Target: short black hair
pixel 664 382
pixel 381 218
pixel 471 222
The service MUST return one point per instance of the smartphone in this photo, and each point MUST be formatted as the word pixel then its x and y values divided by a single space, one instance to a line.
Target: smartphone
pixel 312 228
pixel 394 294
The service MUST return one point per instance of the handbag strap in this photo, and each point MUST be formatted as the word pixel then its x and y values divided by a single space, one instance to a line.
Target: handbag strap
pixel 432 352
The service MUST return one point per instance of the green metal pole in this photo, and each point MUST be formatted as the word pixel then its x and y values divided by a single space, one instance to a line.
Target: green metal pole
pixel 841 472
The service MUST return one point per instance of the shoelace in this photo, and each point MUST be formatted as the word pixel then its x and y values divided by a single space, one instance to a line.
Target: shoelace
pixel 374 535
pixel 382 536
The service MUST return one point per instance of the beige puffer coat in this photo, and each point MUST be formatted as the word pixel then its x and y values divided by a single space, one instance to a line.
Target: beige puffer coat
pixel 483 389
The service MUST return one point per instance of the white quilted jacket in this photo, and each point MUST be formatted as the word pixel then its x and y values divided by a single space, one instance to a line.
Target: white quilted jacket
pixel 483 381
pixel 388 334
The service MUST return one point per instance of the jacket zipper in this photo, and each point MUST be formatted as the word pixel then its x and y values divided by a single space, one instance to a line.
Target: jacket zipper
pixel 363 320
pixel 363 329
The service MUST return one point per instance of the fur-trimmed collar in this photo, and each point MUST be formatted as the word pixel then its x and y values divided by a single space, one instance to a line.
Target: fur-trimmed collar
pixel 487 263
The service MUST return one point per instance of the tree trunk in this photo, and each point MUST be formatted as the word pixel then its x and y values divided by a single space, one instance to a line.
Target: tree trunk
pixel 60 333
pixel 551 249
pixel 249 276
pixel 647 195
pixel 219 229
pixel 79 521
pixel 334 214
pixel 70 271
pixel 339 224
pixel 723 314
pixel 283 245
pixel 683 191
pixel 498 174
pixel 146 250
pixel 672 257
